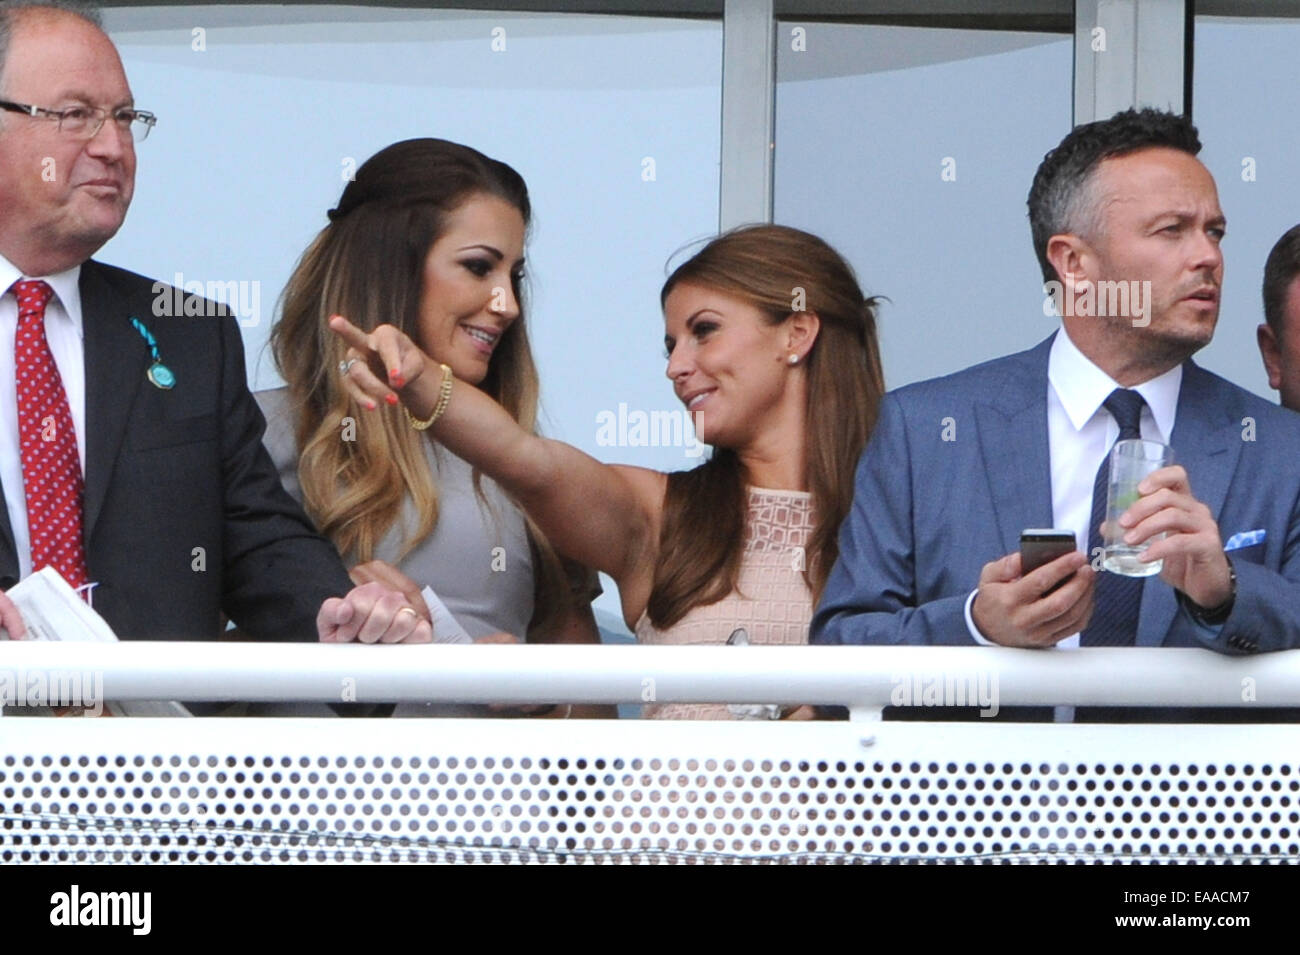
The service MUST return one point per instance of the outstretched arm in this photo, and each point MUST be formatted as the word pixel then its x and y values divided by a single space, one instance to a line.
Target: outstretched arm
pixel 601 515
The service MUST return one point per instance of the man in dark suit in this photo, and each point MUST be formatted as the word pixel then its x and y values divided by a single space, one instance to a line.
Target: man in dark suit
pixel 1279 336
pixel 959 466
pixel 131 456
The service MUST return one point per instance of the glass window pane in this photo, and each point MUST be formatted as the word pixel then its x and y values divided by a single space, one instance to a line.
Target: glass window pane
pixel 1246 88
pixel 911 150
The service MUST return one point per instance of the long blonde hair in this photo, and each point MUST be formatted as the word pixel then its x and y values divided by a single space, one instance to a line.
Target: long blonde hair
pixel 703 531
pixel 367 264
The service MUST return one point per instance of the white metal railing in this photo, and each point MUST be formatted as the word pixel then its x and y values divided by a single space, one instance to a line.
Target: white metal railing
pixel 346 790
pixel 862 678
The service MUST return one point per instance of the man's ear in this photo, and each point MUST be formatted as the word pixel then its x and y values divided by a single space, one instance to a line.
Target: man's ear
pixel 801 331
pixel 1072 258
pixel 1270 349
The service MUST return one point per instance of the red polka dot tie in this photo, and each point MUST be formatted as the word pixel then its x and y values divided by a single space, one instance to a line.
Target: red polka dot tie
pixel 51 469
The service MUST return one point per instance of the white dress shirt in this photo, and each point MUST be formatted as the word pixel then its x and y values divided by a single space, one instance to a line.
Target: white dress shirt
pixel 1079 435
pixel 63 331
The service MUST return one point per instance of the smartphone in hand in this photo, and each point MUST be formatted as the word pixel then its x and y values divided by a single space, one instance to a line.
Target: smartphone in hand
pixel 1042 545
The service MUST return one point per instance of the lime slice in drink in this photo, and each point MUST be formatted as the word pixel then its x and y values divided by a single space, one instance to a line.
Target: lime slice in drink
pixel 1126 499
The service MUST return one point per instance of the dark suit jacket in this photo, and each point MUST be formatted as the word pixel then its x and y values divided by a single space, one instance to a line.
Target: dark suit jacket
pixel 928 513
pixel 184 514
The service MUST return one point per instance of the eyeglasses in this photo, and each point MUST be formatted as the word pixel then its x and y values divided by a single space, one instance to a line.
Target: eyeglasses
pixel 85 122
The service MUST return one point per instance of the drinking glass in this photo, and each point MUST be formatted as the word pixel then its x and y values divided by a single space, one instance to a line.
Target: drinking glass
pixel 1131 460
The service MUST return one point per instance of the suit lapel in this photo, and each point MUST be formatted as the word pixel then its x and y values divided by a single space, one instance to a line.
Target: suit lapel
pixel 1207 443
pixel 8 552
pixel 1013 440
pixel 115 359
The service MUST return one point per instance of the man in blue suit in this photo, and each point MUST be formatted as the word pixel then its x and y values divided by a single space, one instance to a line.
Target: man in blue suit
pixel 957 467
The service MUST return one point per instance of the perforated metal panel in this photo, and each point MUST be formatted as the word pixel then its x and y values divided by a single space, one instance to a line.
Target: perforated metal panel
pixel 511 791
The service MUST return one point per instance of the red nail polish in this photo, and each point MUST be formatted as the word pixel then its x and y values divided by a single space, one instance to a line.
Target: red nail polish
pixel 370 406
pixel 391 399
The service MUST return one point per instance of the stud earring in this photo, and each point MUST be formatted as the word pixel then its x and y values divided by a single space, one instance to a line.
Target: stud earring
pixel 793 359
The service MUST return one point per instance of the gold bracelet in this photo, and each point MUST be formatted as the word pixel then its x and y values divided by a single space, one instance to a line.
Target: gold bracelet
pixel 444 399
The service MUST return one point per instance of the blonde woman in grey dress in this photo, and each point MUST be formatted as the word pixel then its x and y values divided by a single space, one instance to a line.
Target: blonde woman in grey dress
pixel 429 236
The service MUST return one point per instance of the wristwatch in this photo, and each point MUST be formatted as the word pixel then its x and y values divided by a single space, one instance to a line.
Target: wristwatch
pixel 1214 616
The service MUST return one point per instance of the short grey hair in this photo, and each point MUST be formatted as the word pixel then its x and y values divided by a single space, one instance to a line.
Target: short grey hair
pixel 1064 197
pixel 11 11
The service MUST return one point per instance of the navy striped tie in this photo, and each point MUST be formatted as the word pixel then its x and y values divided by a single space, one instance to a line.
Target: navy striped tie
pixel 1116 599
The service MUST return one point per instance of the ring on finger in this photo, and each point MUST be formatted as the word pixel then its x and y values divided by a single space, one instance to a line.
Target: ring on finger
pixel 345 366
pixel 410 610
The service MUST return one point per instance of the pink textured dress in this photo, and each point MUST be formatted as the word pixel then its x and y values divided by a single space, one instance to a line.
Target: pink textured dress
pixel 771 602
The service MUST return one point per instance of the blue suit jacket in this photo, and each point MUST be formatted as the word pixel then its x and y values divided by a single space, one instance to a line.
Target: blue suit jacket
pixel 928 513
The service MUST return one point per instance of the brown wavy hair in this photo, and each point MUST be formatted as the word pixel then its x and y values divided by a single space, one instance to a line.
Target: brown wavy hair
pixel 367 265
pixel 703 532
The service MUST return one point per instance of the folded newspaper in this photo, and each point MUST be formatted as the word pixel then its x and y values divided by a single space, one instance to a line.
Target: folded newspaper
pixel 52 610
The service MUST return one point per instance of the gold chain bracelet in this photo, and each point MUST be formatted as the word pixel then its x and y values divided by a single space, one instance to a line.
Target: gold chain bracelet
pixel 444 399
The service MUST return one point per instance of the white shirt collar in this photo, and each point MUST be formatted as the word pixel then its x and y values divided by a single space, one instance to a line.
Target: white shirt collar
pixel 66 285
pixel 1082 386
